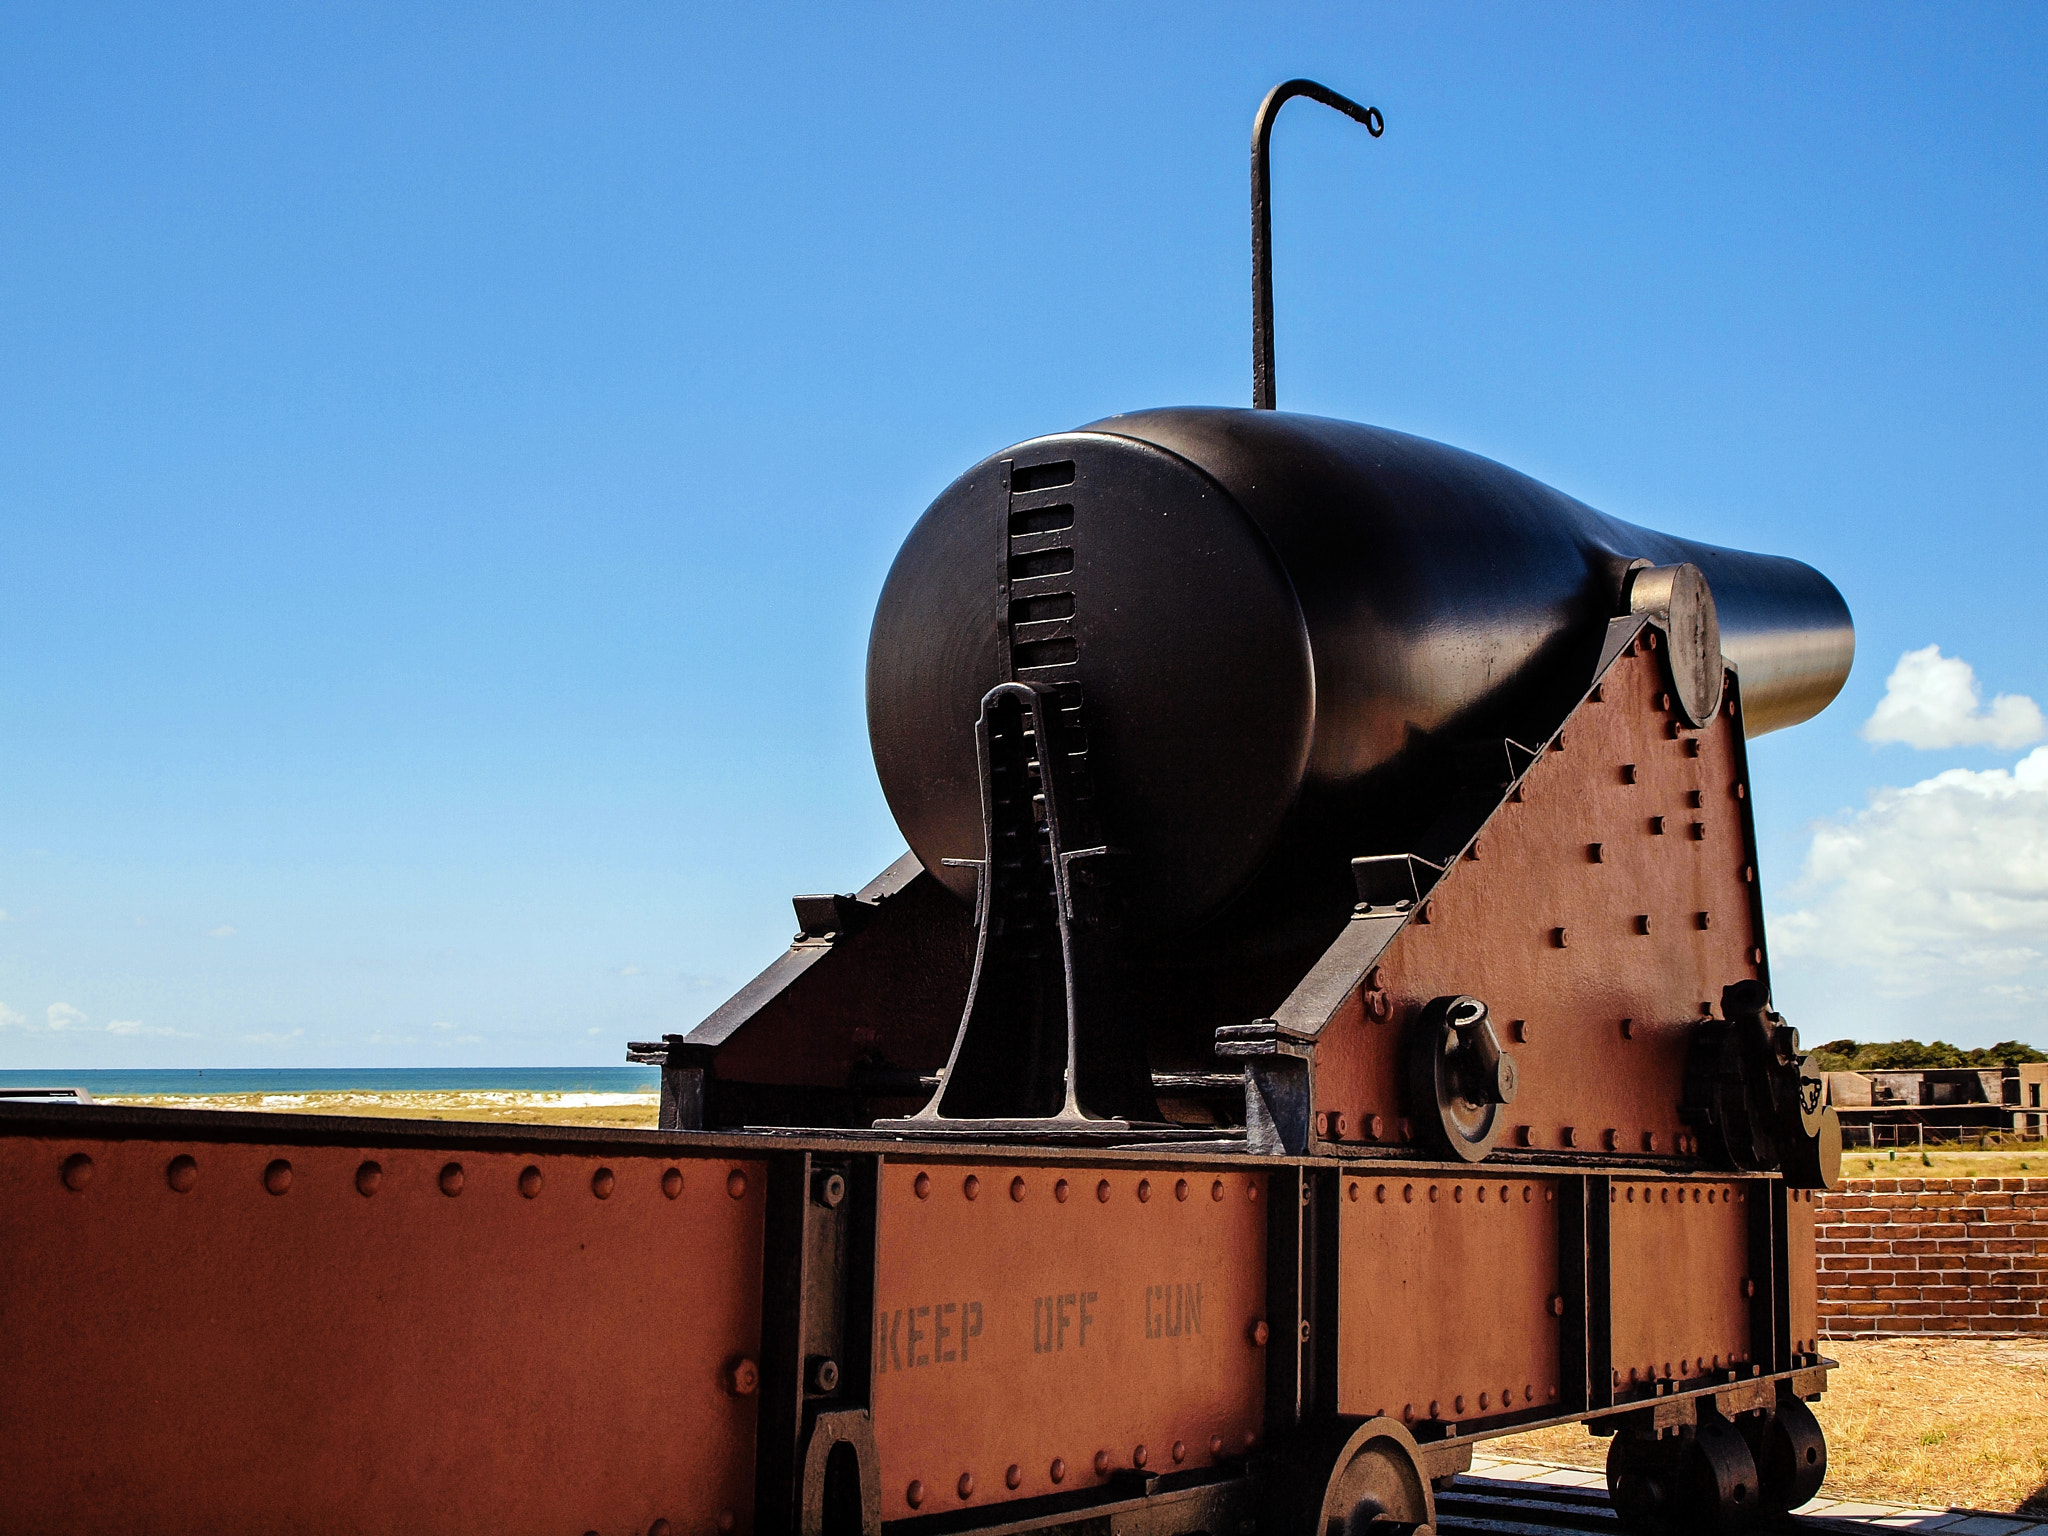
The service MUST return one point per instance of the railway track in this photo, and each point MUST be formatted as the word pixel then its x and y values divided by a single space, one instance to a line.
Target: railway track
pixel 1483 1506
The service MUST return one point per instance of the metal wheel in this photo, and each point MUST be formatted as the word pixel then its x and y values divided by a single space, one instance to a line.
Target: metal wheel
pixel 1791 1456
pixel 1702 1484
pixel 1367 1481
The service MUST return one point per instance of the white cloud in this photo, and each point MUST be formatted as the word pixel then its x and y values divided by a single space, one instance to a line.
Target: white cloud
pixel 440 1024
pixel 63 1016
pixel 629 970
pixel 10 1017
pixel 137 1027
pixel 1932 701
pixel 469 1040
pixel 273 1037
pixel 224 931
pixel 593 1031
pixel 1938 891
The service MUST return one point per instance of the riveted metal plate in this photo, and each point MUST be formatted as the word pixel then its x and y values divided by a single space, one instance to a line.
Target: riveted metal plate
pixel 520 1354
pixel 1017 1329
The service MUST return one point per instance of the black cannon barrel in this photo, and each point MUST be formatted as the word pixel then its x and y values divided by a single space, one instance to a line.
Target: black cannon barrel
pixel 1260 619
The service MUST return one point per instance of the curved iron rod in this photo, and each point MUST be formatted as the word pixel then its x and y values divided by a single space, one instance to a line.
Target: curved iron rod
pixel 1262 216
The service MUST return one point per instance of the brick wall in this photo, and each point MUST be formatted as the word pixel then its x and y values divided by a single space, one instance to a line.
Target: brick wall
pixel 1933 1256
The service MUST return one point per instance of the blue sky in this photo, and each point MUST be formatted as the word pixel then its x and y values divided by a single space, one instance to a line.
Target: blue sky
pixel 448 455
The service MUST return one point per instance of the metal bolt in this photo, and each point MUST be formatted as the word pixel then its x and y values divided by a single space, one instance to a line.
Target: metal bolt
pixel 530 1181
pixel 603 1182
pixel 1434 1413
pixel 1561 938
pixel 828 1188
pixel 1102 1463
pixel 1014 1476
pixel 736 1184
pixel 277 1178
pixel 1458 1405
pixel 1749 1287
pixel 1557 1306
pixel 659 1528
pixel 1102 1192
pixel 181 1173
pixel 77 1171
pixel 1180 1189
pixel 822 1371
pixel 1180 1450
pixel 1139 1457
pixel 1216 1190
pixel 727 1522
pixel 1215 1445
pixel 368 1177
pixel 1628 773
pixel 1594 854
pixel 672 1182
pixel 1060 1191
pixel 1628 1029
pixel 914 1494
pixel 1144 1191
pixel 1017 1189
pixel 1258 1333
pixel 742 1376
pixel 921 1186
pixel 1058 1470
pixel 1351 1192
pixel 451 1179
pixel 971 1187
pixel 966 1485
pixel 1569 1135
pixel 1656 826
pixel 1304 1330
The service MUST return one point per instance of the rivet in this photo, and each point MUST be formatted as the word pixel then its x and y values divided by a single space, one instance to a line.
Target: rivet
pixel 1628 1029
pixel 1610 1139
pixel 1649 1141
pixel 1102 1191
pixel 1180 1450
pixel 1663 700
pixel 1017 1189
pixel 828 1188
pixel 1215 1445
pixel 742 1376
pixel 1749 1287
pixel 277 1178
pixel 1560 938
pixel 181 1173
pixel 736 1184
pixel 1102 1463
pixel 822 1371
pixel 659 1528
pixel 1144 1191
pixel 1458 1194
pixel 1139 1457
pixel 1058 1470
pixel 1528 1193
pixel 1322 1125
pixel 1060 1191
pixel 1408 1193
pixel 1352 1191
pixel 1749 874
pixel 1692 745
pixel 966 1485
pixel 1251 1190
pixel 1434 1410
pixel 76 1171
pixel 727 1521
pixel 368 1177
pixel 1373 1126
pixel 1303 1331
pixel 1628 773
pixel 1710 1197
pixel 1180 1189
pixel 914 1494
pixel 1594 854
pixel 1656 826
pixel 1338 1126
pixel 1432 1194
pixel 1251 1438
pixel 971 1187
pixel 922 1186
pixel 1557 1306
pixel 1258 1333
pixel 1458 1405
pixel 1703 920
pixel 1756 957
pixel 529 1181
pixel 1642 922
pixel 1407 1413
pixel 1632 1195
pixel 451 1179
pixel 672 1182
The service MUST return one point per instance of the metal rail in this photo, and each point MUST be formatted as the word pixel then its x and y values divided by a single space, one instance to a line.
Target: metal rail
pixel 1262 216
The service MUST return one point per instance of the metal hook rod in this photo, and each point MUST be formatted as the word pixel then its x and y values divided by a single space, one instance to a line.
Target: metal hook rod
pixel 1262 216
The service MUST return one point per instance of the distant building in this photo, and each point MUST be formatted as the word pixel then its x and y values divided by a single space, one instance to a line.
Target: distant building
pixel 1950 1101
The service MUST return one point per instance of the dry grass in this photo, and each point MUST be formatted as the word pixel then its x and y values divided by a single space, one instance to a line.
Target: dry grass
pixel 1927 1422
pixel 1945 1163
pixel 630 1111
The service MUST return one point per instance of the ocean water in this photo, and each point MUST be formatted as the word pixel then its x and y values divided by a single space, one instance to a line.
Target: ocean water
pixel 627 1079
